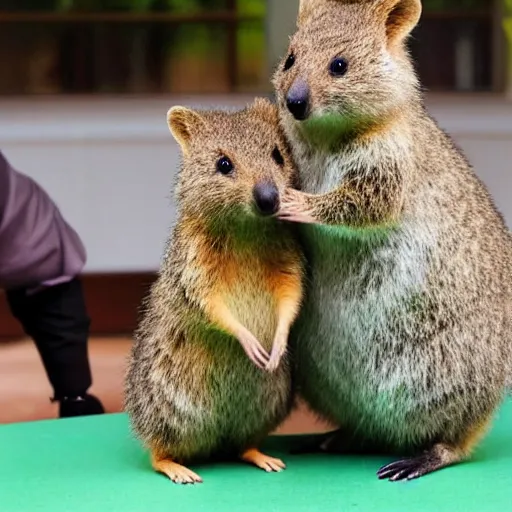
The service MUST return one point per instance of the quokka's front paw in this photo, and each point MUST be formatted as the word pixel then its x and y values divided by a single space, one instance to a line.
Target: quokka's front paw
pixel 277 353
pixel 295 208
pixel 254 350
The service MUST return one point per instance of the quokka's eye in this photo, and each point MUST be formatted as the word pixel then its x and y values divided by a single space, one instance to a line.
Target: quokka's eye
pixel 225 166
pixel 290 61
pixel 277 157
pixel 338 67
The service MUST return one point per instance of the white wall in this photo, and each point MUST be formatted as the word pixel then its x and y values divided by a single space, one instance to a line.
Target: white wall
pixel 110 164
pixel 482 128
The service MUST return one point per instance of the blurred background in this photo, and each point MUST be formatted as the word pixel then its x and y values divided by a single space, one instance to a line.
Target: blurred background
pixel 84 89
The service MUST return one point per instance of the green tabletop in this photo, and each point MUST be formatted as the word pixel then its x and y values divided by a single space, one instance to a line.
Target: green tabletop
pixel 93 465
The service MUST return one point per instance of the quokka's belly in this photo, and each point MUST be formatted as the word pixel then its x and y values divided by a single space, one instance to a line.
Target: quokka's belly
pixel 255 308
pixel 346 368
pixel 362 387
pixel 252 401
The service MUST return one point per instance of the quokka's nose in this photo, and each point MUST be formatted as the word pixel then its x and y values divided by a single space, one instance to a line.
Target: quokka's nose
pixel 266 197
pixel 297 99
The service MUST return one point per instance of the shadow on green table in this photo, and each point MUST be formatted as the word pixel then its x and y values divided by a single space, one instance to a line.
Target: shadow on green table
pixel 94 465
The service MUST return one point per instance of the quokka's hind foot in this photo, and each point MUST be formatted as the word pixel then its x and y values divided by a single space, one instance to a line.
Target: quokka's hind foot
pixel 268 464
pixel 176 472
pixel 439 456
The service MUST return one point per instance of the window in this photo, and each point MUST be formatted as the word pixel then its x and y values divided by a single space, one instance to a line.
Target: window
pixel 131 46
pixel 209 46
pixel 454 45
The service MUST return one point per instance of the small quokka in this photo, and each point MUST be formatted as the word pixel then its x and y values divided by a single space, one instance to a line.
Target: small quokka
pixel 404 338
pixel 209 373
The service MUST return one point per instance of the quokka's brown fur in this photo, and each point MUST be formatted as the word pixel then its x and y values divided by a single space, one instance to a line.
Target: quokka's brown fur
pixel 405 336
pixel 231 277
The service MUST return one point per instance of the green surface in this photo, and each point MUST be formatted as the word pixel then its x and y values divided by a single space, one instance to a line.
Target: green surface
pixel 94 465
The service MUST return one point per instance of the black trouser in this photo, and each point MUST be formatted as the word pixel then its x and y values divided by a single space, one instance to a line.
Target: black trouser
pixel 56 319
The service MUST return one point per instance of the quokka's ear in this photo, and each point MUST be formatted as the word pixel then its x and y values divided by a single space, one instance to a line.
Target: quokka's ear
pixel 401 16
pixel 266 108
pixel 184 123
pixel 306 8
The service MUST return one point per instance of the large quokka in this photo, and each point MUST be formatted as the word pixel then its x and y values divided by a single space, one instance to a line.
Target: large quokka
pixel 405 336
pixel 209 374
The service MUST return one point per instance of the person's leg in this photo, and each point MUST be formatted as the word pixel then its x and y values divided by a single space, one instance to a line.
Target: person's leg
pixel 56 319
pixel 40 257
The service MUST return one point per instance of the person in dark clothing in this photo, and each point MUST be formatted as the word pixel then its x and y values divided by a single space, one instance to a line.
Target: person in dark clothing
pixel 41 258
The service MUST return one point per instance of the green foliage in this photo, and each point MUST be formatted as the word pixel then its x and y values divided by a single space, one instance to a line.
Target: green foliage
pixel 507 26
pixel 456 5
pixel 209 40
pixel 251 7
pixel 251 36
pixel 198 40
pixel 185 6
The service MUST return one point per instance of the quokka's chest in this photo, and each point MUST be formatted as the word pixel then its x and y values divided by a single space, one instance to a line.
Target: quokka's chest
pixel 252 290
pixel 358 285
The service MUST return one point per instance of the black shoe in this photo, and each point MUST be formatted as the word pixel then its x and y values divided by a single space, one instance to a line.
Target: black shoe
pixel 86 405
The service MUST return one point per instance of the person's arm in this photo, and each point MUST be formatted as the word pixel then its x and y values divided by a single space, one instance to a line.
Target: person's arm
pixel 38 248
